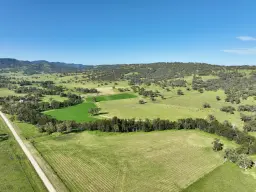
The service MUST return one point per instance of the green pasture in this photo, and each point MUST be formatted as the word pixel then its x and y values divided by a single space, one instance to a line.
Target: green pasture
pixel 78 113
pixel 175 106
pixel 227 177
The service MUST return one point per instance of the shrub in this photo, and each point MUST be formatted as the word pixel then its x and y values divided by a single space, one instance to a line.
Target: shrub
pixel 217 145
pixel 211 118
pixel 200 90
pixel 4 136
pixel 206 105
pixel 228 109
pixel 180 92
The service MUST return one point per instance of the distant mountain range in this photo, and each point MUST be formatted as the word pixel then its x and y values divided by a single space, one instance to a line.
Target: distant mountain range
pixel 155 70
pixel 40 66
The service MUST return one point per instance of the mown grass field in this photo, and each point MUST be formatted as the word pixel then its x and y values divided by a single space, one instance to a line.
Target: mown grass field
pixel 228 178
pixel 78 113
pixel 16 172
pixel 156 161
pixel 112 97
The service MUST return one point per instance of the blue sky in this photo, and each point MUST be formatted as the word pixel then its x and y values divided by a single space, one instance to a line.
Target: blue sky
pixel 129 31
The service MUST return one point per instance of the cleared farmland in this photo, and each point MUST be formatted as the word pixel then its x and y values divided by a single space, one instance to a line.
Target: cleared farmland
pixel 175 107
pixel 16 172
pixel 156 161
pixel 79 113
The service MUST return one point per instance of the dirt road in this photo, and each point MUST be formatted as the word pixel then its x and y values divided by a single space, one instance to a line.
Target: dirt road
pixel 39 171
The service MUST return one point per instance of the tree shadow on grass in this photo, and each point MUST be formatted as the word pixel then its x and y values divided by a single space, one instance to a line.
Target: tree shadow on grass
pixel 102 113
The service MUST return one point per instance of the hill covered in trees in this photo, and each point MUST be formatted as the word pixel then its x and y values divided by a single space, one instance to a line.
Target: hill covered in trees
pixel 40 66
pixel 150 71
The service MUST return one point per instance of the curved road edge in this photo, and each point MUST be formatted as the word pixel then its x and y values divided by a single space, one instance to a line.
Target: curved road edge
pixel 37 168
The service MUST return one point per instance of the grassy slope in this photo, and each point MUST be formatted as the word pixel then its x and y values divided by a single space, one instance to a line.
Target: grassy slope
pixel 175 107
pixel 77 113
pixel 228 178
pixel 16 172
pixel 156 161
pixel 5 92
pixel 112 97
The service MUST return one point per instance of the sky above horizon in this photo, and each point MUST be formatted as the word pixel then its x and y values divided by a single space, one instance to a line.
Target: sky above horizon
pixel 129 31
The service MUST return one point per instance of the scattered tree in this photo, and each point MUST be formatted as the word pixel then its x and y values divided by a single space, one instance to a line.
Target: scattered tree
pixel 206 105
pixel 142 101
pixel 94 111
pixel 180 92
pixel 217 145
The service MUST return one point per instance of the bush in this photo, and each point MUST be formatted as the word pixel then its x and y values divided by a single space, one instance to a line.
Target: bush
pixel 211 118
pixel 200 90
pixel 180 92
pixel 206 105
pixel 218 98
pixel 142 101
pixel 4 136
pixel 250 126
pixel 228 109
pixel 94 111
pixel 242 160
pixel 217 145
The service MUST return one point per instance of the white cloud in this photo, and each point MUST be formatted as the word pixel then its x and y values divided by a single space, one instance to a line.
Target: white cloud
pixel 246 38
pixel 242 51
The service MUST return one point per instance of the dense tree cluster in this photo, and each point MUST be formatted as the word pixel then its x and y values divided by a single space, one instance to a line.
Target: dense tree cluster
pixel 146 93
pixel 250 108
pixel 246 118
pixel 178 83
pixel 28 108
pixel 86 90
pixel 123 89
pixel 241 160
pixel 53 90
pixel 24 83
pixel 250 126
pixel 197 83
